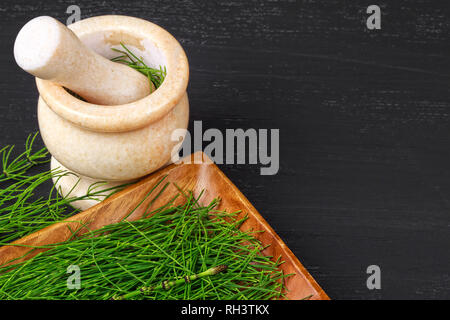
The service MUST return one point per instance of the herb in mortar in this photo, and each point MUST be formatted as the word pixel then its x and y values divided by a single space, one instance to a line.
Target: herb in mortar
pixel 155 76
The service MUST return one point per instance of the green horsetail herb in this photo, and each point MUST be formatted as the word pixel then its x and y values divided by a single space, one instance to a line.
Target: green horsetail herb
pixel 15 169
pixel 166 284
pixel 185 251
pixel 22 178
pixel 155 76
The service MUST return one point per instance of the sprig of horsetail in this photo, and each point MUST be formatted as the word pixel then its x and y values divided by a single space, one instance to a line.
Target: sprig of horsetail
pixel 22 211
pixel 15 169
pixel 167 284
pixel 155 76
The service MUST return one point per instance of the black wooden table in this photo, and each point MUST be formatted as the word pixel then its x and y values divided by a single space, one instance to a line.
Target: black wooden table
pixel 364 119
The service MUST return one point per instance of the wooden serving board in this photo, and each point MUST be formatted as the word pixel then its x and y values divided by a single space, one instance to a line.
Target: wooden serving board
pixel 205 176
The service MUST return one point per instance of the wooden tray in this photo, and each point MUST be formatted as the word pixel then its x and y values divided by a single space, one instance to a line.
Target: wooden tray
pixel 196 177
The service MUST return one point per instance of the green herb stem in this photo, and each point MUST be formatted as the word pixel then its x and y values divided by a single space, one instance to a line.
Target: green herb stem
pixel 155 76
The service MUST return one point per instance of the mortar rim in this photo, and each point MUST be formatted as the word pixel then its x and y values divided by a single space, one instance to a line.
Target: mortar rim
pixel 130 116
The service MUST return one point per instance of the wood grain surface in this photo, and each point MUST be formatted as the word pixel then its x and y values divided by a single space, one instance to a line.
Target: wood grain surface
pixel 204 179
pixel 364 120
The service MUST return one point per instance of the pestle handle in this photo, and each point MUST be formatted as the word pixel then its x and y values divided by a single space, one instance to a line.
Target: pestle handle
pixel 49 50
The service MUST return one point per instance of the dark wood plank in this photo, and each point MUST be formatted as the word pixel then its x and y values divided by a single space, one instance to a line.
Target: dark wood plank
pixel 364 119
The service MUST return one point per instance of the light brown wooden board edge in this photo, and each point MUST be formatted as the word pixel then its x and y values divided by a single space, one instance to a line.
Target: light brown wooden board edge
pixel 204 175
